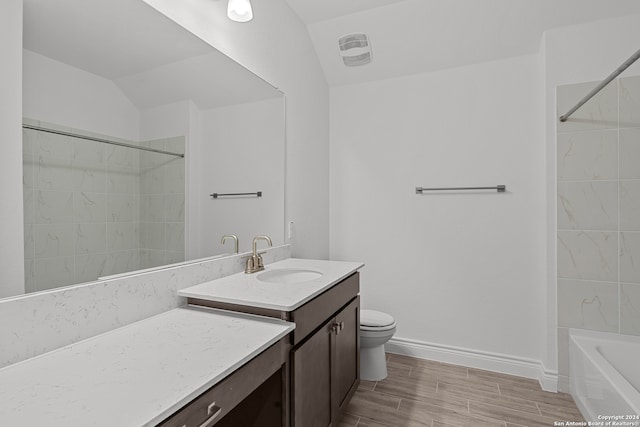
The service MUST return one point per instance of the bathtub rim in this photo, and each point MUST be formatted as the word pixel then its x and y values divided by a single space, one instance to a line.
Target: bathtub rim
pixel 587 341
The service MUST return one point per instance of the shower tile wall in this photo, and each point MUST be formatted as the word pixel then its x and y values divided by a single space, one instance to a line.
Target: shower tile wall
pixel 162 196
pixel 598 178
pixel 82 207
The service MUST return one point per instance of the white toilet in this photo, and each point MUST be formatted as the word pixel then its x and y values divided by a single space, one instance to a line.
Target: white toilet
pixel 376 328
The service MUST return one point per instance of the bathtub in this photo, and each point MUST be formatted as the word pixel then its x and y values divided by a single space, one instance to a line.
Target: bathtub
pixel 604 375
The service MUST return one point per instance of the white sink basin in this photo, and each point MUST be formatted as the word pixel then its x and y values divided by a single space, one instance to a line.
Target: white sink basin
pixel 287 276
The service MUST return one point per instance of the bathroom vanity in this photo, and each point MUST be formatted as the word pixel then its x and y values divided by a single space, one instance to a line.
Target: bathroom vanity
pixel 203 366
pixel 196 363
pixel 321 298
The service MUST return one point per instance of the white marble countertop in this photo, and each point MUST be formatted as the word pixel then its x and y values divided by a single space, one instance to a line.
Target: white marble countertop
pixel 248 289
pixel 136 375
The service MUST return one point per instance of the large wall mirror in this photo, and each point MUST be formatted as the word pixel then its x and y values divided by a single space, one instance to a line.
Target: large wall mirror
pixel 114 93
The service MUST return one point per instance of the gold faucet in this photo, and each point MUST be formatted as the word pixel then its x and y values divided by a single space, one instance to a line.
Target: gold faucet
pixel 255 263
pixel 231 236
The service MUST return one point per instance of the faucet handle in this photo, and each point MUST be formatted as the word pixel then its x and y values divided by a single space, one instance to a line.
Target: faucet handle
pixel 234 237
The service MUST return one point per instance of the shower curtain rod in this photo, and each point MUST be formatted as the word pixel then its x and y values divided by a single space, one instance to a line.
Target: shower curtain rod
pixel 605 82
pixel 105 141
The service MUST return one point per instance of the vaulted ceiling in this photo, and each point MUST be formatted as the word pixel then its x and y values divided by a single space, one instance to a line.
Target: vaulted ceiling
pixel 417 36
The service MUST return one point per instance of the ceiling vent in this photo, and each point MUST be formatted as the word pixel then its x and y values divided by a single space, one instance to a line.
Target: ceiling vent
pixel 355 49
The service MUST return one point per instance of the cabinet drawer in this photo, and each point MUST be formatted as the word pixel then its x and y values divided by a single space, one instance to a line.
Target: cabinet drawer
pixel 314 313
pixel 211 406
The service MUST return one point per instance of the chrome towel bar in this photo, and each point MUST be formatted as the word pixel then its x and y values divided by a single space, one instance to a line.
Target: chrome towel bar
pixel 498 188
pixel 216 195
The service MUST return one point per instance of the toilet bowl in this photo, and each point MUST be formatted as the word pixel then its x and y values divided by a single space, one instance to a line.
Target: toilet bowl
pixel 376 328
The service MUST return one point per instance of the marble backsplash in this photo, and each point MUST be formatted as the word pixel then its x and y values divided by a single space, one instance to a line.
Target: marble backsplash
pixel 34 324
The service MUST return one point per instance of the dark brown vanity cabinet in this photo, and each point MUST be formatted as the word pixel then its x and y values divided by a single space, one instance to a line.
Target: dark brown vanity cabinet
pixel 324 363
pixel 252 396
pixel 324 370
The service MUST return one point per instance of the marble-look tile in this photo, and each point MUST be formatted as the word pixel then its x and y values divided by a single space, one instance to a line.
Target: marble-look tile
pixel 174 207
pixel 630 205
pixel 54 272
pixel 173 257
pixel 86 153
pixel 29 163
pixel 116 156
pixel 121 207
pixel 152 208
pixel 175 144
pixel 124 181
pixel 601 112
pixel 53 174
pixel 91 238
pixel 563 349
pixel 122 262
pixel 28 197
pixel 51 146
pixel 30 275
pixel 121 236
pixel 90 267
pixel 174 176
pixel 588 255
pixel 29 141
pixel 629 91
pixel 174 234
pixel 53 207
pixel 630 153
pixel 589 205
pixel 29 241
pixel 630 257
pixel 53 240
pixel 90 207
pixel 152 181
pixel 153 235
pixel 40 322
pixel 588 155
pixel 630 309
pixel 90 179
pixel 588 305
pixel 150 258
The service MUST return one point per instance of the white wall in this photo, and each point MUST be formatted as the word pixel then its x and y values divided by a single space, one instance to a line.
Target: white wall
pixel 11 228
pixel 57 93
pixel 242 151
pixel 575 54
pixel 455 270
pixel 276 46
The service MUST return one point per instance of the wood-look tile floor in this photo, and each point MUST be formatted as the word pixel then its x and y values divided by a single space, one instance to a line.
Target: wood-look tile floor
pixel 425 393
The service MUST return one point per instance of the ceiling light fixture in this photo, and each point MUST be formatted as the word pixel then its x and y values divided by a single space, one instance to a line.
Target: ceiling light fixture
pixel 355 49
pixel 240 10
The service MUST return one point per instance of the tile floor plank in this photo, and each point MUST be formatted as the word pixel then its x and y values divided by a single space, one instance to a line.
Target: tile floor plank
pixel 463 397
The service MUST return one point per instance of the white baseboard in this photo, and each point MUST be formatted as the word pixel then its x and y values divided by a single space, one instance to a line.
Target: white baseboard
pixel 512 365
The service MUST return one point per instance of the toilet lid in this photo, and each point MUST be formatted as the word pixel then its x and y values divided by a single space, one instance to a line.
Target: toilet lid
pixel 373 318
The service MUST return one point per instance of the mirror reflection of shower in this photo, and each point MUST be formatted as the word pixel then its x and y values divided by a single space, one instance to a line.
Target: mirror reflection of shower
pixel 94 209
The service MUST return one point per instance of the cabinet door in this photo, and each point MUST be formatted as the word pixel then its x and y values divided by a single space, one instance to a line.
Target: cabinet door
pixel 346 362
pixel 311 397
